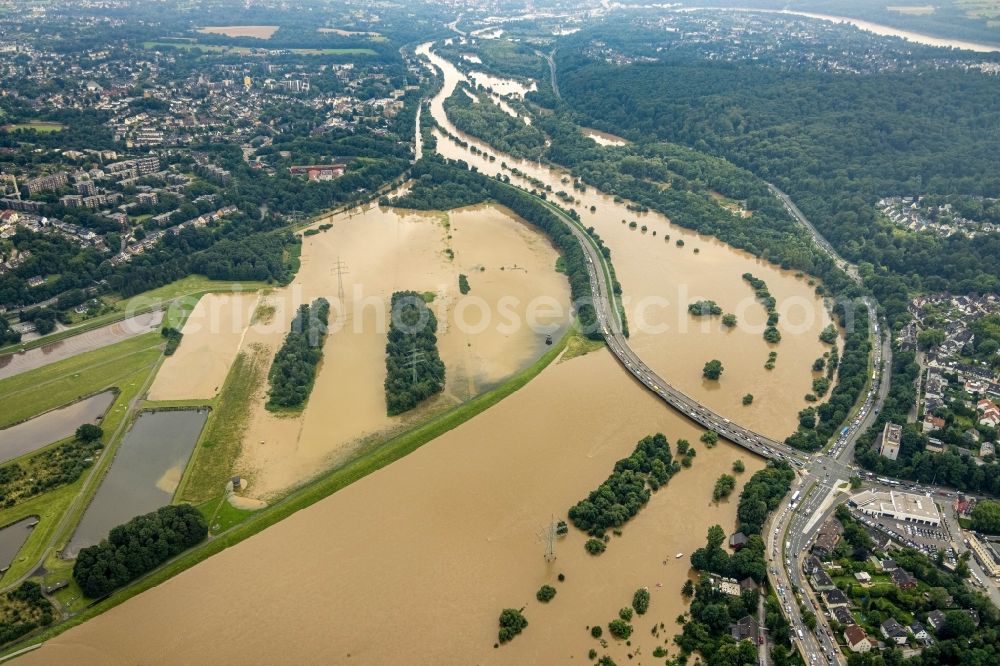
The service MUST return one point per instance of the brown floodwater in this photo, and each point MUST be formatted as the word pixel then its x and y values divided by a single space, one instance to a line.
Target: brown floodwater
pixel 212 336
pixel 603 138
pixel 512 276
pixel 18 362
pixel 415 562
pixel 660 279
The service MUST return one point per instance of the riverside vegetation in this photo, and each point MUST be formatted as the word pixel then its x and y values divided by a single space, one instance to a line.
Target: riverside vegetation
pixel 414 369
pixel 294 369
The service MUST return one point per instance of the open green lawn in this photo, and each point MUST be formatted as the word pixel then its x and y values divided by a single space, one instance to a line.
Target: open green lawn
pixel 38 126
pixel 36 391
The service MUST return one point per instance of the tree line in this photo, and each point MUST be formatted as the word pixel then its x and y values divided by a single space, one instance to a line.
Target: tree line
pixel 414 369
pixel 137 547
pixel 294 368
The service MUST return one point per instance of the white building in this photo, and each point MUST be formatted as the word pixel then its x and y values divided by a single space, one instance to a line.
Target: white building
pixel 900 506
pixel 889 446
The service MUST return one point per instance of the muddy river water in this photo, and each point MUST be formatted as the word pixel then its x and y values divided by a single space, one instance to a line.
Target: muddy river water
pixel 414 563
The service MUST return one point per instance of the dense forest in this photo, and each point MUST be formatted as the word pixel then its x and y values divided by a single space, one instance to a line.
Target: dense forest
pixel 414 369
pixel 137 547
pixel 481 117
pixel 294 369
pixel 836 143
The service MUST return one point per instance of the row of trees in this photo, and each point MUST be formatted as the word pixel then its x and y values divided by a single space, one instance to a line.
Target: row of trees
pixel 294 368
pixel 440 185
pixel 137 547
pixel 625 491
pixel 414 369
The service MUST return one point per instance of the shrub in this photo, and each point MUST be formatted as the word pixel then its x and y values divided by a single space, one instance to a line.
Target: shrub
pixel 640 601
pixel 595 546
pixel 596 631
pixel 545 593
pixel 512 622
pixel 620 629
pixel 625 614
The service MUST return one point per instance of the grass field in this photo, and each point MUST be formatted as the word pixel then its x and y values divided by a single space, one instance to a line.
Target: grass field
pixel 39 126
pixel 36 391
pixel 212 462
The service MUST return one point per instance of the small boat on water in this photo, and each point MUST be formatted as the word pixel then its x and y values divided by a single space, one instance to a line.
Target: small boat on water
pixel 678 556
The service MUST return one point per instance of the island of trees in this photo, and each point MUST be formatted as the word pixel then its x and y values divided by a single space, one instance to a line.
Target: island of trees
pixel 414 369
pixel 713 369
pixel 627 490
pixel 138 547
pixel 704 308
pixel 294 369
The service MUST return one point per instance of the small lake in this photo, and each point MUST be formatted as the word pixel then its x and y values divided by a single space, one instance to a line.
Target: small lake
pixel 12 537
pixel 52 426
pixel 143 475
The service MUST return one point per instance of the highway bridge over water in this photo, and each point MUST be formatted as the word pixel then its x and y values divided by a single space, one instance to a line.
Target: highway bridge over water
pixel 608 318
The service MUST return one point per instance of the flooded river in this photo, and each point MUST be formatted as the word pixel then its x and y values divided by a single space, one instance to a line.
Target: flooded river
pixel 509 267
pixel 415 562
pixel 16 363
pixel 52 426
pixel 660 279
pixel 143 475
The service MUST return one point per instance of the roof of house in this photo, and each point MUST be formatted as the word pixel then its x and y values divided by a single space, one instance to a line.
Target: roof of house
pixel 854 634
pixel 836 597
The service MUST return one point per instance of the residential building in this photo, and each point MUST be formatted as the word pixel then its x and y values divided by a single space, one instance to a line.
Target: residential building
pixel 822 582
pixel 890 440
pixel 935 620
pixel 746 629
pixel 894 632
pixel 903 579
pixel 857 639
pixel 835 598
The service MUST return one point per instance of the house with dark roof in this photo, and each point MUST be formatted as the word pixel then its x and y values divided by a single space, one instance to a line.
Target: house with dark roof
pixel 889 565
pixel 822 582
pixel 935 620
pixel 748 583
pixel 894 632
pixel 811 565
pixel 746 629
pixel 737 541
pixel 843 616
pixel 835 598
pixel 903 579
pixel 920 633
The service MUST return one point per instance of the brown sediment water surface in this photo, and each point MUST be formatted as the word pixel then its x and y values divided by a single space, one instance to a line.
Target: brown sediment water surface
pixel 483 336
pixel 415 562
pixel 660 279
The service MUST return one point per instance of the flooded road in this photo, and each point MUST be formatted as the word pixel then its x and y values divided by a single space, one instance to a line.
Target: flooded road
pixel 603 138
pixel 143 475
pixel 660 278
pixel 16 363
pixel 52 426
pixel 415 562
pixel 212 336
pixel 509 267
